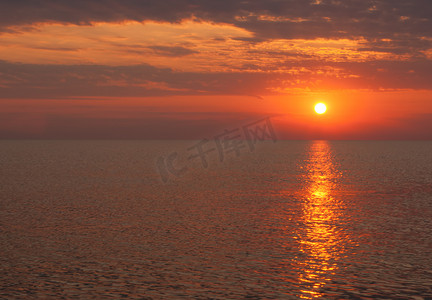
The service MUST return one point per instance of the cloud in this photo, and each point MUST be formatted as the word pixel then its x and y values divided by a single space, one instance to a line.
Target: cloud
pixel 57 81
pixel 64 81
pixel 130 43
pixel 175 51
pixel 396 20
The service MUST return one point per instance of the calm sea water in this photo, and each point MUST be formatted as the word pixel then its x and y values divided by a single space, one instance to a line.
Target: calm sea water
pixel 290 220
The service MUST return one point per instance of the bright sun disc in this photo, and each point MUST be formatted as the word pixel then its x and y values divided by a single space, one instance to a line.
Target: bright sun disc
pixel 320 108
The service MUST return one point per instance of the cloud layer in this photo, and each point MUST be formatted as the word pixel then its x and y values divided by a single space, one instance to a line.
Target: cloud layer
pixel 374 20
pixel 58 49
pixel 380 44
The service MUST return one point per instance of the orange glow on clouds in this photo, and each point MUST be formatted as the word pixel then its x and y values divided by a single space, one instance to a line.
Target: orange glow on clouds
pixel 118 44
pixel 208 47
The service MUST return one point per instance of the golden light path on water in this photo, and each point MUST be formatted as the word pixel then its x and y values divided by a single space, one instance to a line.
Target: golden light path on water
pixel 321 239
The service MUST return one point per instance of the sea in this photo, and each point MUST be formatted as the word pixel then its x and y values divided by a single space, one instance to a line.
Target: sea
pixel 104 219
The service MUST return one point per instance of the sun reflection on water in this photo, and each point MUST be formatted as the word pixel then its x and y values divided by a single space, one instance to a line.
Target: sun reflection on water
pixel 321 240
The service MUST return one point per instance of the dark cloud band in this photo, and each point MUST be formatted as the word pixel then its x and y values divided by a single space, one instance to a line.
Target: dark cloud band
pixel 266 18
pixel 57 81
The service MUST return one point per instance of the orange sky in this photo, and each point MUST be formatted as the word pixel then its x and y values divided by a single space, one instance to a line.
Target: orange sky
pixel 71 71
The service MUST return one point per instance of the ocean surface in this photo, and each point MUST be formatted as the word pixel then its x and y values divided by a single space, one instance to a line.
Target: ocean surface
pixel 185 219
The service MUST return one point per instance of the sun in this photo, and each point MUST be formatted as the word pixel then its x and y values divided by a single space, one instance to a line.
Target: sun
pixel 320 108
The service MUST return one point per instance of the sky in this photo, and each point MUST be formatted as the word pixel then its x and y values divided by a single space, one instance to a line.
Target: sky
pixel 189 69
